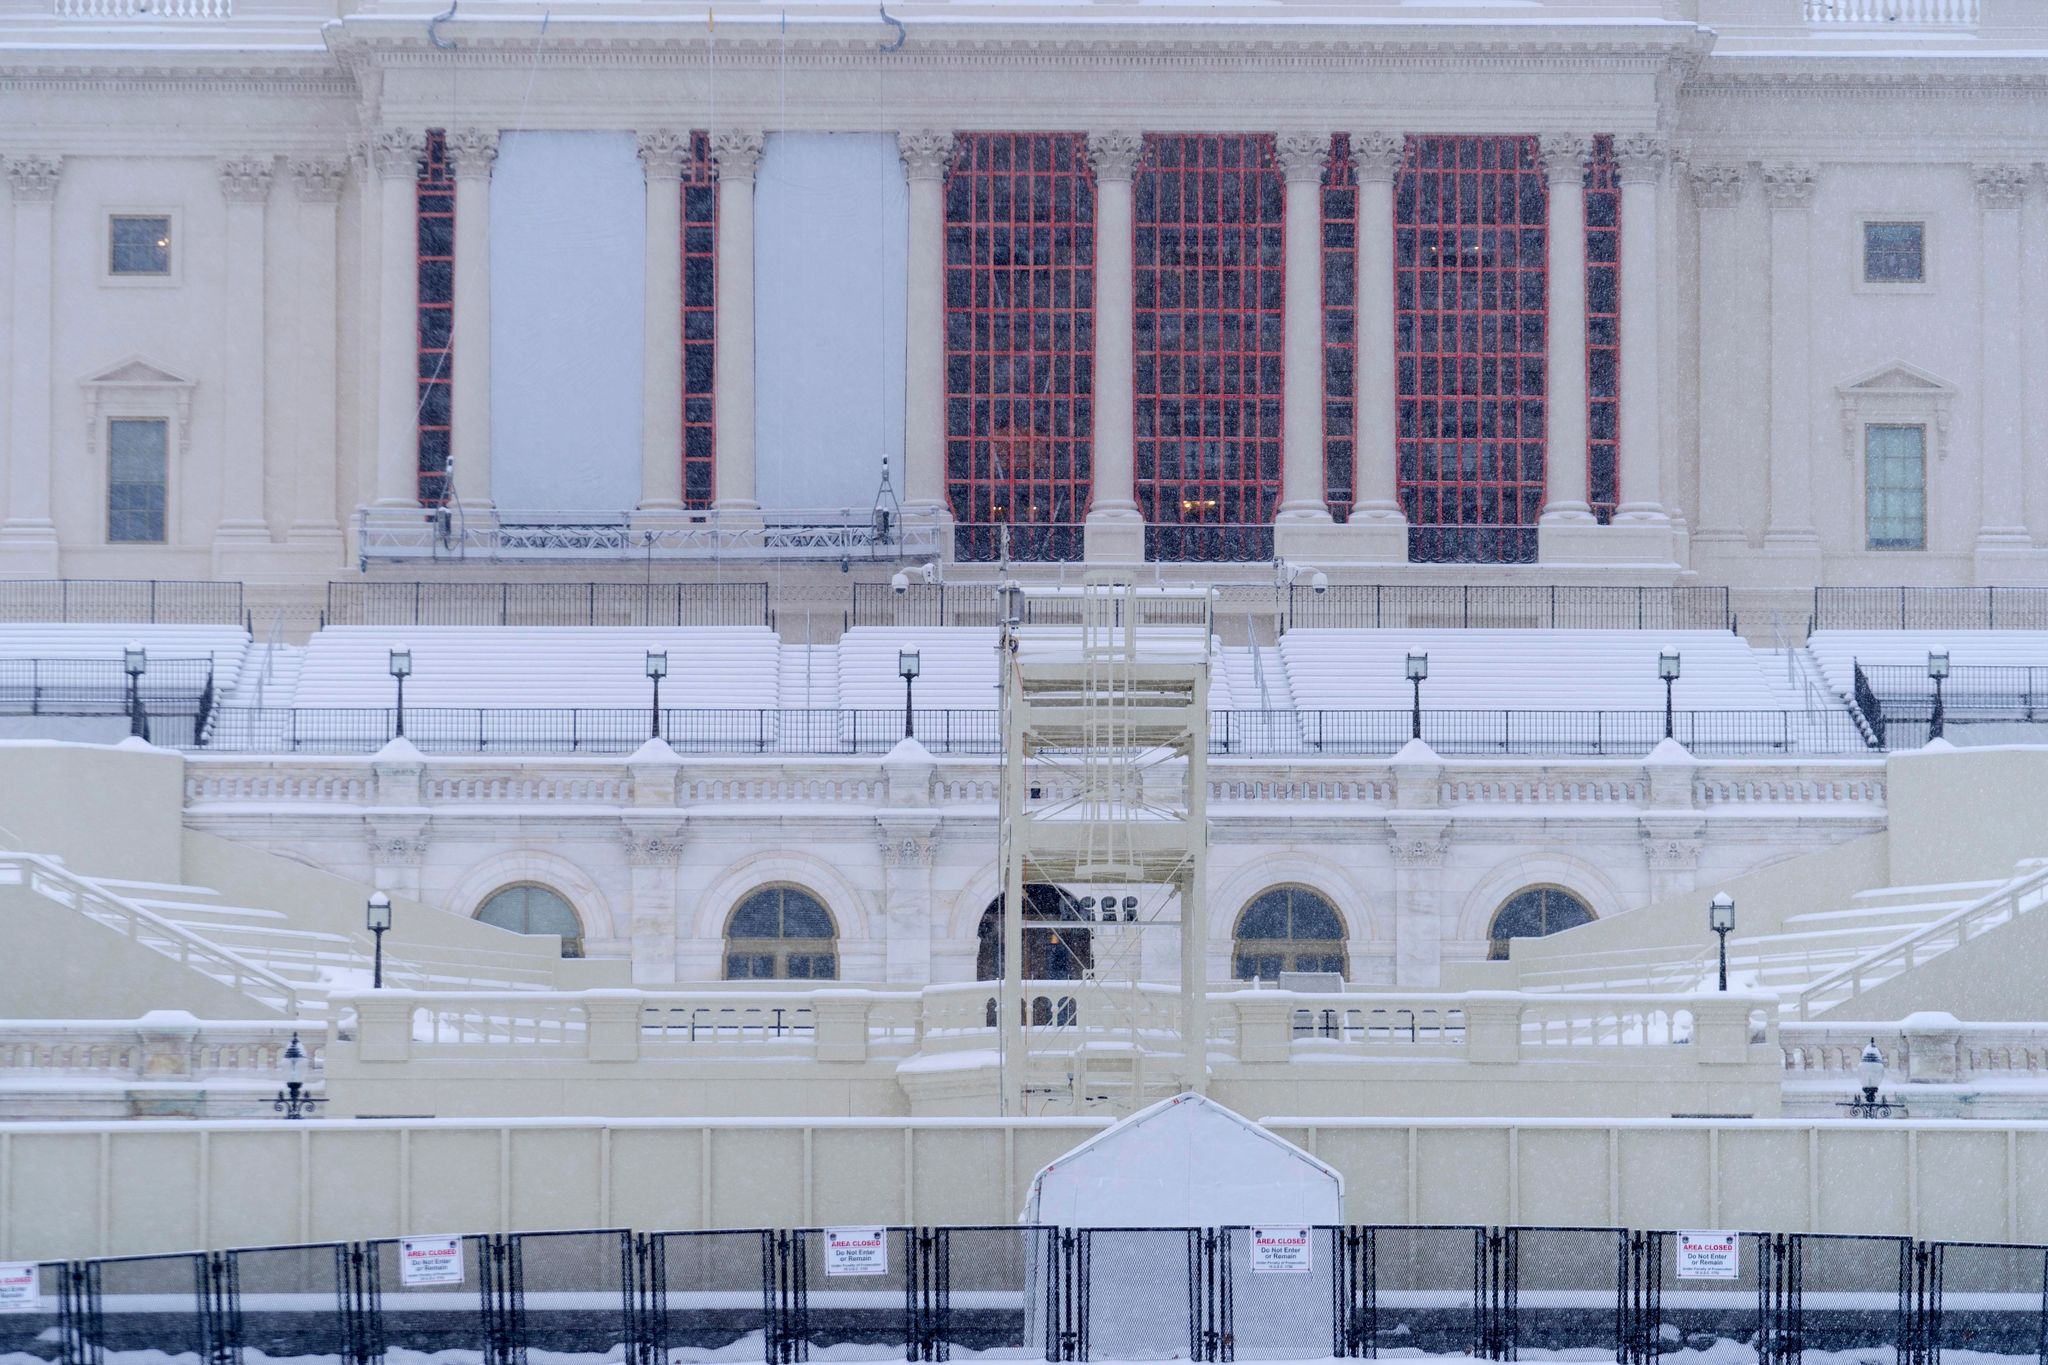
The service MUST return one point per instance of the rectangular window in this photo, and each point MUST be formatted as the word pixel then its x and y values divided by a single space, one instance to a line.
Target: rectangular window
pixel 1470 334
pixel 138 476
pixel 1020 344
pixel 1340 328
pixel 1894 253
pixel 139 244
pixel 436 226
pixel 1603 330
pixel 1895 486
pixel 1209 247
pixel 700 317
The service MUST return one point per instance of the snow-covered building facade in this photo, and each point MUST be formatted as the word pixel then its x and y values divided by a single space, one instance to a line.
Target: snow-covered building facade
pixel 1633 288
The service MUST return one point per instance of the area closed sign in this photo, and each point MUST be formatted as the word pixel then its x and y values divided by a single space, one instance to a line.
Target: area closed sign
pixel 1709 1255
pixel 429 1260
pixel 856 1251
pixel 1282 1251
pixel 19 1292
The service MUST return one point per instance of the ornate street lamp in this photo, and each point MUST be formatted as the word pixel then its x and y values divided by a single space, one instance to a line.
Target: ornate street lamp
pixel 135 662
pixel 293 1101
pixel 1418 669
pixel 1937 670
pixel 657 669
pixel 401 669
pixel 909 664
pixel 1870 1075
pixel 1721 919
pixel 1667 669
pixel 378 918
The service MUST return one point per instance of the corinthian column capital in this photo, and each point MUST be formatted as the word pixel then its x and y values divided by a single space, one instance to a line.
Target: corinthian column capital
pixel 1302 156
pixel 1565 156
pixel 472 152
pixel 663 153
pixel 1115 154
pixel 737 152
pixel 396 152
pixel 926 152
pixel 1376 155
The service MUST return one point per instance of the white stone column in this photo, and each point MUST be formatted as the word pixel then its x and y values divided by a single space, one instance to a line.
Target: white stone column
pixel 1789 190
pixel 738 154
pixel 1418 845
pixel 653 844
pixel 1375 158
pixel 1564 165
pixel 471 154
pixel 1302 157
pixel 28 540
pixel 396 153
pixel 663 153
pixel 1717 190
pixel 317 184
pixel 2001 531
pixel 1115 531
pixel 245 184
pixel 925 156
pixel 1641 159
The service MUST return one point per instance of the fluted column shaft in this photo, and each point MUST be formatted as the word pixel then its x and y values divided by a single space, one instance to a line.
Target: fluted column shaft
pixel 1302 497
pixel 662 154
pixel 245 184
pixel 1640 475
pixel 1717 189
pixel 925 155
pixel 2001 193
pixel 34 180
pixel 1115 157
pixel 1375 157
pixel 473 152
pixel 396 155
pixel 738 154
pixel 317 183
pixel 1565 482
pixel 1789 189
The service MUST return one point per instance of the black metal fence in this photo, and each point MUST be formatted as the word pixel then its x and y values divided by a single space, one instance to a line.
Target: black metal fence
pixel 164 602
pixel 1930 609
pixel 1505 606
pixel 100 687
pixel 1058 1294
pixel 366 602
pixel 921 605
pixel 535 730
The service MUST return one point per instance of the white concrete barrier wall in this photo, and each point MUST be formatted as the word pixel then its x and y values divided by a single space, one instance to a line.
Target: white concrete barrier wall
pixel 77 1189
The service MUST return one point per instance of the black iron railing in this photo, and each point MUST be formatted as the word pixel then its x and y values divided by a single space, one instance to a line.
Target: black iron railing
pixel 781 1295
pixel 1194 543
pixel 100 687
pixel 1508 606
pixel 1930 608
pixel 981 542
pixel 1985 691
pixel 164 602
pixel 601 730
pixel 377 603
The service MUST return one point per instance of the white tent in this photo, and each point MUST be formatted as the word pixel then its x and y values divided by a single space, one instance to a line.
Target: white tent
pixel 1188 1163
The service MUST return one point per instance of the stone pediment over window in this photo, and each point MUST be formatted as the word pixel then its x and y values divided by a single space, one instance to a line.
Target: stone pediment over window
pixel 136 386
pixel 1896 392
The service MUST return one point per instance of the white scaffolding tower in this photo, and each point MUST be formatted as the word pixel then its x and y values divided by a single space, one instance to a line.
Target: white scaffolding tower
pixel 1105 706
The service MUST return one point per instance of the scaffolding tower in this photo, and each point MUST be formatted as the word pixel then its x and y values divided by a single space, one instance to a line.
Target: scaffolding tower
pixel 1105 712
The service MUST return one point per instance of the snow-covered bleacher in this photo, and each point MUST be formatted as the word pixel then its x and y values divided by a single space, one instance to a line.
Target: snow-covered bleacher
pixel 1523 670
pixel 1839 651
pixel 227 647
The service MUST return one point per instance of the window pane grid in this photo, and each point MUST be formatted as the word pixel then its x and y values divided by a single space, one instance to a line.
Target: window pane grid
pixel 1470 307
pixel 1603 330
pixel 1210 260
pixel 139 245
pixel 1020 343
pixel 700 316
pixel 1340 329
pixel 1894 253
pixel 137 479
pixel 436 228
pixel 1895 486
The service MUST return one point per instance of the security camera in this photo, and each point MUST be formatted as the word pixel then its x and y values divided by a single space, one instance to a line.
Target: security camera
pixel 929 572
pixel 1320 583
pixel 899 582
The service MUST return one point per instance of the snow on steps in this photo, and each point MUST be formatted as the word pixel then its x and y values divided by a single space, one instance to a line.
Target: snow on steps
pixel 227 646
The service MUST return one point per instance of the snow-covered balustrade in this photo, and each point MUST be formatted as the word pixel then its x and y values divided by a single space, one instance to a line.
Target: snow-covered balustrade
pixel 1893 14
pixel 167 1062
pixel 1924 1048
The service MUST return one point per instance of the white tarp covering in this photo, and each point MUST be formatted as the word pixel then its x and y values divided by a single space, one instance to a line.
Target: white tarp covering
pixel 831 211
pixel 1186 1162
pixel 568 325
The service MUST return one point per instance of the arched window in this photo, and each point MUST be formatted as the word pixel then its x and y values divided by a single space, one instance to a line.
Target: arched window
pixel 1056 946
pixel 1533 913
pixel 1288 929
pixel 530 909
pixel 780 933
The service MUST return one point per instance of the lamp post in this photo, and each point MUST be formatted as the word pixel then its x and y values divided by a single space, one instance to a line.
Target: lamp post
pixel 1869 1076
pixel 1721 919
pixel 657 669
pixel 378 918
pixel 1937 670
pixel 292 1101
pixel 909 665
pixel 1667 669
pixel 401 669
pixel 1418 669
pixel 135 662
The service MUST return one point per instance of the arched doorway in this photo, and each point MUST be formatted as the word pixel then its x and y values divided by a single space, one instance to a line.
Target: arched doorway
pixel 527 908
pixel 1056 945
pixel 1535 912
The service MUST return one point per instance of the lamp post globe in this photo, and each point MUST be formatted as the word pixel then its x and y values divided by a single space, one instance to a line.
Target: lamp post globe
pixel 377 917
